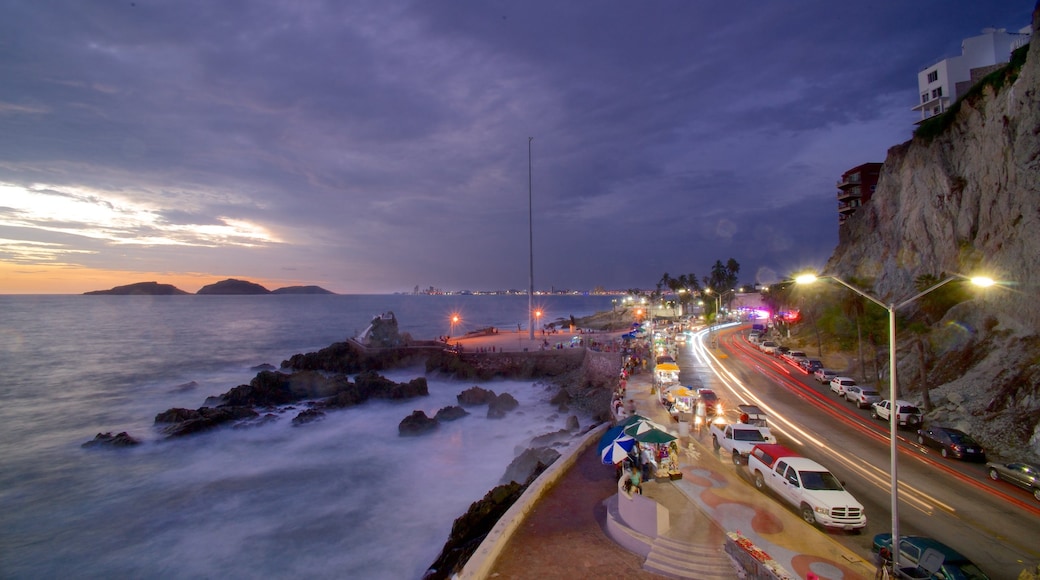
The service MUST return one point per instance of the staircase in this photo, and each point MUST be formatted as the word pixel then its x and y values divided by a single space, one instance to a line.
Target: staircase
pixel 677 559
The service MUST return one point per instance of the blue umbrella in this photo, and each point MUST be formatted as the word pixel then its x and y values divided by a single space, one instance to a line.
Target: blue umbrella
pixel 618 450
pixel 609 436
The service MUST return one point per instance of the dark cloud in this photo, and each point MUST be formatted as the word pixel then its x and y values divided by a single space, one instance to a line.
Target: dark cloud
pixel 373 146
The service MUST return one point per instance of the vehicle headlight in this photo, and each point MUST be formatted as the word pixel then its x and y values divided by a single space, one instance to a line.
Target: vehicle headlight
pixel 823 510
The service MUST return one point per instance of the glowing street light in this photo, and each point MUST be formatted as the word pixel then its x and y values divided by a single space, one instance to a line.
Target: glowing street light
pixel 893 417
pixel 454 322
pixel 538 318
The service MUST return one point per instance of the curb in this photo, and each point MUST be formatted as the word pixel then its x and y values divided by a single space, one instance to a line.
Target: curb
pixel 481 562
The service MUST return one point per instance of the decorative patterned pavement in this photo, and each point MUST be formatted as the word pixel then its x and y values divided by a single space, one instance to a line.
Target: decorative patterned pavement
pixel 564 537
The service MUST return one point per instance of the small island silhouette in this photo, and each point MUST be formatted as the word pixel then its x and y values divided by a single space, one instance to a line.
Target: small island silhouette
pixel 227 287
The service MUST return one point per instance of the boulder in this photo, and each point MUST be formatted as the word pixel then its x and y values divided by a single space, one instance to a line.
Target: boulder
pixel 554 438
pixel 416 424
pixel 373 385
pixel 475 396
pixel 529 463
pixel 572 423
pixel 471 528
pixel 500 405
pixel 307 416
pixel 450 413
pixel 186 421
pixel 109 440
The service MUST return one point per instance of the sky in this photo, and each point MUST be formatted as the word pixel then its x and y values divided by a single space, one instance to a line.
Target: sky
pixel 376 146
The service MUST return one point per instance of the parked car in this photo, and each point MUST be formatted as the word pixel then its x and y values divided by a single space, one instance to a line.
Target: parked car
pixel 824 376
pixel 754 337
pixel 810 365
pixel 907 415
pixel 863 396
pixel 1024 475
pixel 768 346
pixel 912 549
pixel 794 357
pixel 838 385
pixel 782 350
pixel 951 443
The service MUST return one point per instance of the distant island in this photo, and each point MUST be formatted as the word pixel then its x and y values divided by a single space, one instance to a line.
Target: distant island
pixel 141 289
pixel 224 287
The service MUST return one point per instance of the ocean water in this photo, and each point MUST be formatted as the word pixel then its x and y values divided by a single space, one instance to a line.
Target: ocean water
pixel 342 497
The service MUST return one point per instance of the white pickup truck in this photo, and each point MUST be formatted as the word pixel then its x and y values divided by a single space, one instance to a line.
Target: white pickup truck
pixel 819 497
pixel 738 439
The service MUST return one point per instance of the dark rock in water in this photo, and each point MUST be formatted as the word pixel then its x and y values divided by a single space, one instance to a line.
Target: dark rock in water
pixel 372 384
pixel 271 388
pixel 186 421
pixel 475 396
pixel 572 423
pixel 501 405
pixel 232 286
pixel 264 367
pixel 472 527
pixel 338 357
pixel 532 461
pixel 109 440
pixel 185 387
pixel 553 438
pixel 140 289
pixel 308 416
pixel 265 419
pixel 450 413
pixel 416 424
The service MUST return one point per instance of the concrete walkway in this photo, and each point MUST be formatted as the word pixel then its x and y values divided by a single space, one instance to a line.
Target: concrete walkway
pixel 564 535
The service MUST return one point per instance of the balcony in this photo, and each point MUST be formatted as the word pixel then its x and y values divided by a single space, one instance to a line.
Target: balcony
pixel 849 181
pixel 849 194
pixel 848 208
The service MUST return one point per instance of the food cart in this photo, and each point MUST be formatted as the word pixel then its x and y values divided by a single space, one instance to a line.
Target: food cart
pixel 666 374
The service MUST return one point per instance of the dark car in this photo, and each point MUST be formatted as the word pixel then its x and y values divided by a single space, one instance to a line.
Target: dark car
pixel 810 365
pixel 782 350
pixel 951 443
pixel 711 401
pixel 911 550
pixel 1024 475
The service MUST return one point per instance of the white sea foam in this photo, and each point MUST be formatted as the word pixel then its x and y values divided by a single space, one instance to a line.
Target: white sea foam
pixel 341 497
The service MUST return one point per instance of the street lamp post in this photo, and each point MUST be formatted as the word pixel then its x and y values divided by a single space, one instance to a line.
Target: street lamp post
pixel 454 322
pixel 530 235
pixel 892 384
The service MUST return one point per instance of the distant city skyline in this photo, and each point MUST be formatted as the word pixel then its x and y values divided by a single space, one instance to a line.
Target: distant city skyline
pixel 372 147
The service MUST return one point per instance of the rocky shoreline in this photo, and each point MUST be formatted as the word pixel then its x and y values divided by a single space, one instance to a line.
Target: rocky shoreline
pixel 318 381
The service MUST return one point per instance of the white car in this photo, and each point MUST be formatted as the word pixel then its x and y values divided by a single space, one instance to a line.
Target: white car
pixel 768 346
pixel 824 376
pixel 838 385
pixel 794 357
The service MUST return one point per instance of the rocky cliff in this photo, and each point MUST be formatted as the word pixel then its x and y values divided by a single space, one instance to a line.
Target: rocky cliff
pixel 963 200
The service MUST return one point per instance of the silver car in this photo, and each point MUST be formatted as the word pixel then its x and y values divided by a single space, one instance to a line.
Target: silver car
pixel 1024 475
pixel 864 397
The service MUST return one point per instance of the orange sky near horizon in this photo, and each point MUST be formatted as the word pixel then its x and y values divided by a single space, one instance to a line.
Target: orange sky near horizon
pixel 66 279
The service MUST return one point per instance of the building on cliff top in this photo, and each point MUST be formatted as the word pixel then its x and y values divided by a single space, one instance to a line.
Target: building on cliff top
pixel 855 188
pixel 942 83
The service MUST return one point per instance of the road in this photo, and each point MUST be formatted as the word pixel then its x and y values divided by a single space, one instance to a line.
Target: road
pixel 994 524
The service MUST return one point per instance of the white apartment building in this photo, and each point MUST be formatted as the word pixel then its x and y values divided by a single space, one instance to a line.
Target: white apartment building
pixel 942 83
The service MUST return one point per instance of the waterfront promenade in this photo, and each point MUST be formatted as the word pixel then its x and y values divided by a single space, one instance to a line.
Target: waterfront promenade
pixel 563 534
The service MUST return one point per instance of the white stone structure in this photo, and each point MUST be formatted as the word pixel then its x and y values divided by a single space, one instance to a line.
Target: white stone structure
pixel 942 83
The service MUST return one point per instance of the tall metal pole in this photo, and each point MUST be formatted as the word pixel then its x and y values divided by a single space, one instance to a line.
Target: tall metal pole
pixel 530 233
pixel 893 417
